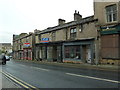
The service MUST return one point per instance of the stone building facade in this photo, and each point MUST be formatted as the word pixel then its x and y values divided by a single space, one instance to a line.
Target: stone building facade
pixel 94 39
pixel 76 41
pixel 5 47
pixel 23 46
pixel 108 15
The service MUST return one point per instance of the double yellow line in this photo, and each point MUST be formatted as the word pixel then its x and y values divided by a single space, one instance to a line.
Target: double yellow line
pixel 19 82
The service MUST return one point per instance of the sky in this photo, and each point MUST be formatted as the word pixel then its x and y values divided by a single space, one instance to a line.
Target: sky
pixel 24 16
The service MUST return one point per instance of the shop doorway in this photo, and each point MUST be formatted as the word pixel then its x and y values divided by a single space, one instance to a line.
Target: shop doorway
pixel 54 53
pixel 86 53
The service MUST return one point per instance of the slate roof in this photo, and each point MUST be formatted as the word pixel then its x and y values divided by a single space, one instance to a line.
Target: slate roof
pixel 72 23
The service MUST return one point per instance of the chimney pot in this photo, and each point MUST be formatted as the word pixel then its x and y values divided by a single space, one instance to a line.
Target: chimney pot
pixel 61 21
pixel 77 16
pixel 75 11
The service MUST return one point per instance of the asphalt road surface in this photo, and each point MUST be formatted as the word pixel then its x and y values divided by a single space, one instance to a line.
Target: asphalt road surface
pixel 27 74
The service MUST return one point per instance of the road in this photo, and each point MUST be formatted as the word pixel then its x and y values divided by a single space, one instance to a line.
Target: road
pixel 34 75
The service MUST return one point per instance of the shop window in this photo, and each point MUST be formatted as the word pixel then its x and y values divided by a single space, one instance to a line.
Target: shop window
pixel 72 52
pixel 49 52
pixel 43 52
pixel 111 13
pixel 73 33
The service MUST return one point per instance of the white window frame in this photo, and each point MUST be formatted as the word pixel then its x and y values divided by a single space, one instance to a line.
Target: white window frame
pixel 110 13
pixel 73 32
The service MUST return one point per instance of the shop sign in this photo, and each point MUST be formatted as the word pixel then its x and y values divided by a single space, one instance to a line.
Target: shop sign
pixel 45 40
pixel 27 44
pixel 110 29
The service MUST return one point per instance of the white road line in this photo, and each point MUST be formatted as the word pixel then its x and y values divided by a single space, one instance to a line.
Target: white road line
pixel 22 65
pixel 113 81
pixel 40 68
pixel 36 68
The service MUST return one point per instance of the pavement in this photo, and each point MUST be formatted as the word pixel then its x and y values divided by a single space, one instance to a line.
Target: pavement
pixel 75 65
pixel 6 83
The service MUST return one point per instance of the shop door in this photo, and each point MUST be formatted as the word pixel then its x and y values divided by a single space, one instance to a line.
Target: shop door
pixel 88 54
pixel 59 54
pixel 54 53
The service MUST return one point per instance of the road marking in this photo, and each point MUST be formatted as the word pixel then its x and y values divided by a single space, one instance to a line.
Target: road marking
pixel 18 81
pixel 37 68
pixel 15 80
pixel 40 68
pixel 22 65
pixel 113 81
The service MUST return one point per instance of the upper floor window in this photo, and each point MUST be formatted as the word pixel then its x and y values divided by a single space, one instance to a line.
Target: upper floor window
pixel 81 28
pixel 73 33
pixel 20 47
pixel 27 39
pixel 53 36
pixel 111 13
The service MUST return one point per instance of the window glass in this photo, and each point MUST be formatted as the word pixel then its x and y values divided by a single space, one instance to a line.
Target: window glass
pixel 72 52
pixel 73 33
pixel 111 13
pixel 74 30
pixel 53 36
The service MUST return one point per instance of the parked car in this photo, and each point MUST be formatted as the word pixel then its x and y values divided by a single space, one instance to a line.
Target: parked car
pixel 10 56
pixel 7 58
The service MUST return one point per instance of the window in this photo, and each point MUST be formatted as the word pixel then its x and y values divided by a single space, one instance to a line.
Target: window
pixel 111 13
pixel 53 36
pixel 72 52
pixel 81 28
pixel 73 33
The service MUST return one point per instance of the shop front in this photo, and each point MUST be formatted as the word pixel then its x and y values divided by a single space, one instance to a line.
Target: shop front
pixel 49 51
pixel 110 42
pixel 79 51
pixel 15 55
pixel 27 53
pixel 20 54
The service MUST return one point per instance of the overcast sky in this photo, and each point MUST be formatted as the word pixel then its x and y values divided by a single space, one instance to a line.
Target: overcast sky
pixel 18 16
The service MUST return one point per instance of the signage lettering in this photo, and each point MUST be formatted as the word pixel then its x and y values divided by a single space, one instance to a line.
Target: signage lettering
pixel 45 40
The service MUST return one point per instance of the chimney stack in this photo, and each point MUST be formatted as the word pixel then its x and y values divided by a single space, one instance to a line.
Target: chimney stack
pixel 77 16
pixel 61 21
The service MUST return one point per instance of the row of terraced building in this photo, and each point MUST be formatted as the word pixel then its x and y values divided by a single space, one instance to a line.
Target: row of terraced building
pixel 94 39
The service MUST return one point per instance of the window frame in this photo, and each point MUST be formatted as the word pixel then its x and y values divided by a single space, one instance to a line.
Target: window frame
pixel 72 52
pixel 73 33
pixel 111 10
pixel 53 36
